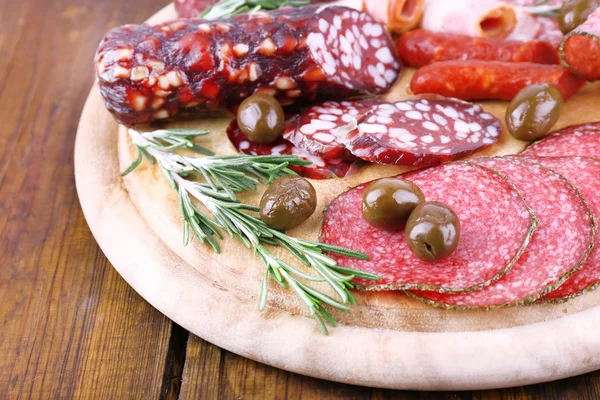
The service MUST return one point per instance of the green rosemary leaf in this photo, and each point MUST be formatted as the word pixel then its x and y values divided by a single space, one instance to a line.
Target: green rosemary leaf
pixel 134 164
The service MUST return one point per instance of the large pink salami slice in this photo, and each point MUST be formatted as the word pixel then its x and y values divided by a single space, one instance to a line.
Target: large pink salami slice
pixel 584 173
pixel 319 169
pixel 187 66
pixel 559 247
pixel 422 132
pixel 579 140
pixel 321 129
pixel 496 226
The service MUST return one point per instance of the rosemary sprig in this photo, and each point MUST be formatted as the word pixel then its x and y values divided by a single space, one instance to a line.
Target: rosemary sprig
pixel 229 8
pixel 224 176
pixel 542 8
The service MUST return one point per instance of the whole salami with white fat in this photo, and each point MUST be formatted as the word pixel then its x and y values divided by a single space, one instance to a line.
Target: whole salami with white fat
pixel 561 244
pixel 578 140
pixel 496 226
pixel 584 173
pixel 422 132
pixel 149 73
pixel 321 129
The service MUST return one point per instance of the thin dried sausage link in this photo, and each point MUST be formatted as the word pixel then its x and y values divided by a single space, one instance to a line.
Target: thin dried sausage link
pixel 580 49
pixel 149 73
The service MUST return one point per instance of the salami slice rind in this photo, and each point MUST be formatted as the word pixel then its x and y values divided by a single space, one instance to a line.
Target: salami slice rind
pixel 319 169
pixel 578 140
pixel 496 226
pixel 189 66
pixel 321 129
pixel 561 244
pixel 422 132
pixel 584 173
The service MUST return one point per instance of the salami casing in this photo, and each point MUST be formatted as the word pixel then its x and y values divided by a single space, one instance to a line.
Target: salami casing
pixel 496 226
pixel 321 129
pixel 580 49
pixel 422 132
pixel 419 47
pixel 490 80
pixel 584 173
pixel 149 73
pixel 319 169
pixel 578 140
pixel 562 242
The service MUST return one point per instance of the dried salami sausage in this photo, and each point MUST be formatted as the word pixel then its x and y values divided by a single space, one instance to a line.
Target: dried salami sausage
pixel 489 80
pixel 556 251
pixel 149 73
pixel 584 173
pixel 580 49
pixel 319 169
pixel 490 242
pixel 419 47
pixel 578 140
pixel 321 129
pixel 422 132
pixel 192 8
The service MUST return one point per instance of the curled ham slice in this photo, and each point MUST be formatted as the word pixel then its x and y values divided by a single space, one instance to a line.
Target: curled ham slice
pixel 478 18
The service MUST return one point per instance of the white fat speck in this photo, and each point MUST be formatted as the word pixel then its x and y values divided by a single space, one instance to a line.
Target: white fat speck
pixel 350 36
pixel 278 149
pixel 373 30
pixel 345 45
pixel 329 68
pixel 384 120
pixel 363 42
pixel 347 118
pixel 402 134
pixel 461 126
pixel 486 116
pixel 390 75
pixel 492 130
pixel 384 55
pixel 315 40
pixel 333 33
pixel 324 137
pixel 450 112
pixel 357 62
pixel 427 139
pixel 308 129
pixel 379 81
pixel 380 68
pixel 387 108
pixel 444 139
pixel 475 127
pixel 422 107
pixel 372 119
pixel 403 106
pixel 487 141
pixel 328 117
pixel 323 25
pixel 439 119
pixel 322 125
pixel 337 22
pixel 376 43
pixel 244 145
pixel 372 128
pixel 414 115
pixel 431 126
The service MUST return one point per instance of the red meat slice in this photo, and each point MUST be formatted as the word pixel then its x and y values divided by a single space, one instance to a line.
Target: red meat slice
pixel 578 140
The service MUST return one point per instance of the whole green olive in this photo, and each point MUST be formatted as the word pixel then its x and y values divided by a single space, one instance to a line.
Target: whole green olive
pixel 260 117
pixel 432 231
pixel 573 13
pixel 533 111
pixel 288 202
pixel 388 202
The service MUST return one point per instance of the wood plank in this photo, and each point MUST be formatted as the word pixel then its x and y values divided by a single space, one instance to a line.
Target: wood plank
pixel 71 327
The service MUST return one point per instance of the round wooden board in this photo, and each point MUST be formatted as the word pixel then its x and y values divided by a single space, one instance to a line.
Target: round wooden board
pixel 387 340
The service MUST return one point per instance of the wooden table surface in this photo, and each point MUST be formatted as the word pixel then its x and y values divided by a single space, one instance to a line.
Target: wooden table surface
pixel 70 327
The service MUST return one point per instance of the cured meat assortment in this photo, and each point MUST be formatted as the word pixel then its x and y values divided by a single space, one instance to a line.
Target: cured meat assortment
pixel 319 169
pixel 321 130
pixel 584 173
pixel 422 132
pixel 418 48
pixel 557 249
pixel 489 245
pixel 483 80
pixel 579 140
pixel 148 73
pixel 580 49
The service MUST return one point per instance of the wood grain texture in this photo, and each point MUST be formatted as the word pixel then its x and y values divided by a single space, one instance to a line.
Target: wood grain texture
pixel 70 326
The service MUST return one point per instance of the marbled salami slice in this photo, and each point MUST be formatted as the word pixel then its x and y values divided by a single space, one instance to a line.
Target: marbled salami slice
pixel 496 226
pixel 578 140
pixel 559 247
pixel 319 169
pixel 188 66
pixel 422 132
pixel 321 129
pixel 584 173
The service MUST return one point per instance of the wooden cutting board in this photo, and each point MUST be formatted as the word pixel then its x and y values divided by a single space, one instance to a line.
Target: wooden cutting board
pixel 387 340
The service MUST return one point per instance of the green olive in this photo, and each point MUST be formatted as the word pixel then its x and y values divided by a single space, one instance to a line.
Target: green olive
pixel 573 13
pixel 288 202
pixel 432 231
pixel 260 117
pixel 533 111
pixel 388 202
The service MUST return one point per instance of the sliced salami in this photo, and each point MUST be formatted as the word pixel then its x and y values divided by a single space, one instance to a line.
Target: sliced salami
pixel 321 130
pixel 188 66
pixel 578 140
pixel 496 226
pixel 422 132
pixel 559 247
pixel 319 169
pixel 584 173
